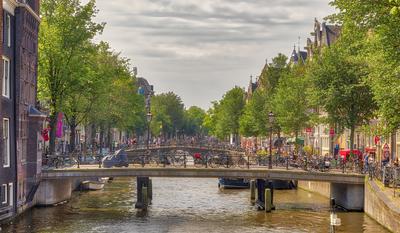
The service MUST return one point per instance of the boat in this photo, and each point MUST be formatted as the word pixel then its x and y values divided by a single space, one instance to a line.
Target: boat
pixel 284 184
pixel 238 183
pixel 92 185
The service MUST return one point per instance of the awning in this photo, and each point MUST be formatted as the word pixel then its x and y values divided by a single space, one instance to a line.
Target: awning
pixel 34 112
pixel 299 141
pixel 370 149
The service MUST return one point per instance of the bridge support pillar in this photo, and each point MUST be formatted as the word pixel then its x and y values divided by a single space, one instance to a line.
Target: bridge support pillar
pixel 252 192
pixel 144 192
pixel 348 196
pixel 261 185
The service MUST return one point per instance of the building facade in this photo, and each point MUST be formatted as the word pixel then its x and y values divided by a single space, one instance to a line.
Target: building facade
pixel 21 121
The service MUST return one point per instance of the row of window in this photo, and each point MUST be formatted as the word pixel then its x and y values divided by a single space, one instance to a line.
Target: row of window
pixel 6 194
pixel 6 61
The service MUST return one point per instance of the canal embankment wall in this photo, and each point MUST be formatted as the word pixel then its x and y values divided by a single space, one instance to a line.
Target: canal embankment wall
pixel 321 188
pixel 379 206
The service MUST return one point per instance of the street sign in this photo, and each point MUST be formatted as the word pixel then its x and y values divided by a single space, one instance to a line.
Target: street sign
pixel 308 130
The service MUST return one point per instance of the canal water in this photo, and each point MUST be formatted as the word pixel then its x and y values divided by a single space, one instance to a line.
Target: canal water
pixel 186 205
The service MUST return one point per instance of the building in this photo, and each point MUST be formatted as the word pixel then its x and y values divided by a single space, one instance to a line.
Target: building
pixel 21 121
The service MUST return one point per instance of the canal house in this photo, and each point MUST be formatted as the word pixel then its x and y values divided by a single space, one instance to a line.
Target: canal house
pixel 20 156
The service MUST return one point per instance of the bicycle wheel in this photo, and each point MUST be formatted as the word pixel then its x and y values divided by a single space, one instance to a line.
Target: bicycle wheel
pixel 198 162
pixel 242 163
pixel 213 162
pixel 154 162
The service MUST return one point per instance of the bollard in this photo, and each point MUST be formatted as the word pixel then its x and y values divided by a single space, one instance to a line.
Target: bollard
pixel 145 197
pixel 248 162
pixel 143 156
pixel 99 162
pixel 252 192
pixel 268 200
pixel 206 160
pixel 165 160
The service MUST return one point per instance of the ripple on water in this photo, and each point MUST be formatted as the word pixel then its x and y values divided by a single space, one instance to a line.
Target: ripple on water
pixel 187 205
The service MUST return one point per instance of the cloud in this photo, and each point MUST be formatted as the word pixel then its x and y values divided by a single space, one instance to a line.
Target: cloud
pixel 211 45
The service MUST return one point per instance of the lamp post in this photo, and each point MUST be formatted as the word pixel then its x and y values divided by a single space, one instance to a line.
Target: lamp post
pixel 271 121
pixel 148 117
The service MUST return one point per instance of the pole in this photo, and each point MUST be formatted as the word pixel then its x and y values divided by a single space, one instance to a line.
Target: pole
pixel 270 149
pixel 148 134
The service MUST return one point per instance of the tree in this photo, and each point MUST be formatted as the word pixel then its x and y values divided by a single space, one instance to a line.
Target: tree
pixel 194 118
pixel 290 102
pixel 379 21
pixel 168 114
pixel 254 119
pixel 228 113
pixel 65 33
pixel 338 77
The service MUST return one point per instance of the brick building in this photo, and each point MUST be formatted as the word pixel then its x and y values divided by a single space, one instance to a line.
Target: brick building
pixel 20 153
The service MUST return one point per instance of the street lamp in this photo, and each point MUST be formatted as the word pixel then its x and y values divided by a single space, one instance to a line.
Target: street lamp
pixel 148 117
pixel 271 119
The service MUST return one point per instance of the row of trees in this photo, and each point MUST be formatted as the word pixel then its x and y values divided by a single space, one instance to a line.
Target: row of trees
pixel 87 81
pixel 353 81
pixel 171 119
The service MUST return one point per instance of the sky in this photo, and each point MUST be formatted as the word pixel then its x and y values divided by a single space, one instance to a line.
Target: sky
pixel 201 49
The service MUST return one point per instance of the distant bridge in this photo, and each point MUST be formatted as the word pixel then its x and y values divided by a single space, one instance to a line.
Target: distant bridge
pixel 254 173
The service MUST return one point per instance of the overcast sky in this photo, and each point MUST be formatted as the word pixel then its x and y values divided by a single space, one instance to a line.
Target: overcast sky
pixel 201 49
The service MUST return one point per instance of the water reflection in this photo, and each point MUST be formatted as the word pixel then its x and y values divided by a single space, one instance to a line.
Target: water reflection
pixel 187 205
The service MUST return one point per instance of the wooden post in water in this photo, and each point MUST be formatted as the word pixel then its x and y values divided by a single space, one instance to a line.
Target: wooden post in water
pixel 252 192
pixel 145 199
pixel 268 200
pixel 150 191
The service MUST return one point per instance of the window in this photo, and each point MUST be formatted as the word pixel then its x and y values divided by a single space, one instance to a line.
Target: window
pixel 6 77
pixel 6 142
pixel 8 30
pixel 11 194
pixel 4 194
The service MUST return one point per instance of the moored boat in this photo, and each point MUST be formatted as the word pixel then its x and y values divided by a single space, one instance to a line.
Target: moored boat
pixel 238 183
pixel 92 185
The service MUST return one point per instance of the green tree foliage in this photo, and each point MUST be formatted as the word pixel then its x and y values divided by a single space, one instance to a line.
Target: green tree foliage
pixel 254 121
pixel 168 114
pixel 338 77
pixel 65 33
pixel 194 119
pixel 290 103
pixel 228 112
pixel 272 72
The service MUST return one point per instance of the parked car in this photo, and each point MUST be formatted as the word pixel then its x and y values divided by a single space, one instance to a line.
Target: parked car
pixel 118 159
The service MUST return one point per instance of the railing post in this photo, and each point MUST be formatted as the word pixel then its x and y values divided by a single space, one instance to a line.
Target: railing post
pixel 184 160
pixel 394 182
pixel 165 159
pixel 248 161
pixel 287 163
pixel 206 160
pixel 343 164
pixel 227 161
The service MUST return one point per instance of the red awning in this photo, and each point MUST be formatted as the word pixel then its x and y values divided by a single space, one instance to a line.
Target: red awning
pixel 370 149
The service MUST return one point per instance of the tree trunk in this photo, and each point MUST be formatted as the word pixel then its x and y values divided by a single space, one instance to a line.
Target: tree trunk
pixel 393 145
pixel 352 132
pixel 53 130
pixel 101 137
pixel 72 137
pixel 93 138
pixel 109 138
